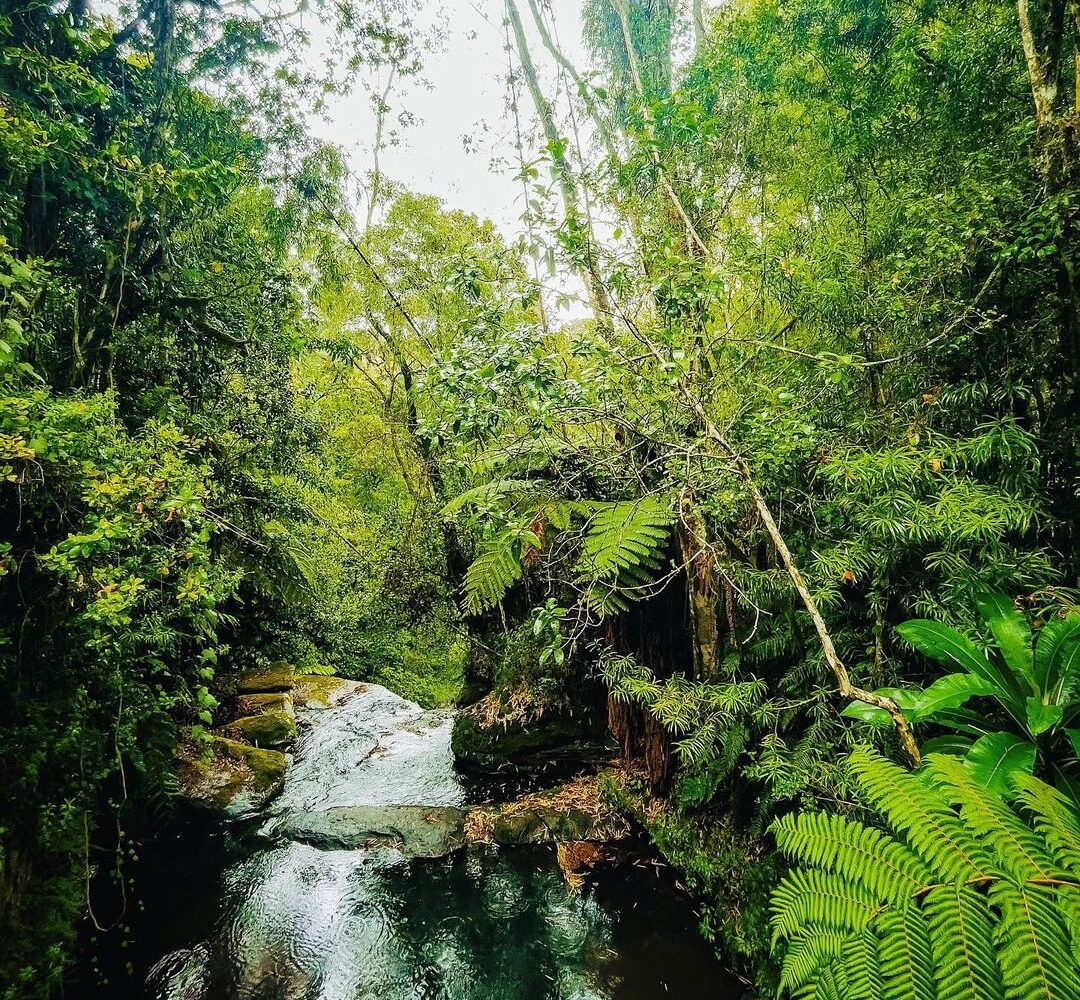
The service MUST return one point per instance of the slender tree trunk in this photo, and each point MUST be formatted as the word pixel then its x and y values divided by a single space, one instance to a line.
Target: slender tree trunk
pixel 603 129
pixel 699 565
pixel 590 265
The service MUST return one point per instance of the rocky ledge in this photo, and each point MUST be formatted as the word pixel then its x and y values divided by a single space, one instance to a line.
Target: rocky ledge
pixel 248 760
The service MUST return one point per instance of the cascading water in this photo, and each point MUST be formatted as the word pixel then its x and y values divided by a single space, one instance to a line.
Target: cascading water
pixel 358 892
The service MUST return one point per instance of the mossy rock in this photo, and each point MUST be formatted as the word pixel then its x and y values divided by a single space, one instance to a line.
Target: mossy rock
pixel 319 691
pixel 270 729
pixel 275 678
pixel 479 746
pixel 544 826
pixel 263 702
pixel 239 779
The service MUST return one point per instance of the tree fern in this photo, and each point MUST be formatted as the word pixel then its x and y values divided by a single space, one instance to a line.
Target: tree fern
pixel 623 549
pixel 497 568
pixel 964 897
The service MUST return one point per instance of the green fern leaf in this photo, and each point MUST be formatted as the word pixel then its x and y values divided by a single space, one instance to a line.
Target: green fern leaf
pixel 905 956
pixel 806 956
pixel 962 935
pixel 1054 818
pixel 861 960
pixel 493 572
pixel 917 809
pixel 1016 846
pixel 624 542
pixel 820 900
pixel 1033 944
pixel 884 867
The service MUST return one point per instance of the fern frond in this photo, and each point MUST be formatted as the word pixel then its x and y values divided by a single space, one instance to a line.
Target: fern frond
pixel 962 936
pixel 493 572
pixel 1033 944
pixel 806 955
pixel 861 961
pixel 906 958
pixel 1016 846
pixel 1054 818
pixel 885 868
pixel 624 541
pixel 916 808
pixel 808 899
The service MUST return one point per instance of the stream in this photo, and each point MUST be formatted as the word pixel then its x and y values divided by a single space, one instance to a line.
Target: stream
pixel 344 889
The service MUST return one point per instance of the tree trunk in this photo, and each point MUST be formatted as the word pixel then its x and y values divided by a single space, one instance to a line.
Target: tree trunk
pixel 589 268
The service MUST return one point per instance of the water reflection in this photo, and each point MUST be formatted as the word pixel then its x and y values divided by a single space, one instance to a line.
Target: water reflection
pixel 301 922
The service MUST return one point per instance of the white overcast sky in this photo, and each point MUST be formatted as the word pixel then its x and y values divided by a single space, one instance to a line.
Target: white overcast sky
pixel 466 98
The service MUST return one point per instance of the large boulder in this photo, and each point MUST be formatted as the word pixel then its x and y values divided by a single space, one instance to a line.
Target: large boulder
pixel 316 691
pixel 236 781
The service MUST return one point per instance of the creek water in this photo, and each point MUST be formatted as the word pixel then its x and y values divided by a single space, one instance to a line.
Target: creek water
pixel 376 910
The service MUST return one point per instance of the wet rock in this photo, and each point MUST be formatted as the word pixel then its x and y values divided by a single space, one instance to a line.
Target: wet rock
pixel 257 704
pixel 275 678
pixel 417 831
pixel 315 691
pixel 239 779
pixel 270 729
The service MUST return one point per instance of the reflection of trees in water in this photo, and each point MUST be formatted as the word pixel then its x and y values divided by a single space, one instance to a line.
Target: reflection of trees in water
pixel 300 923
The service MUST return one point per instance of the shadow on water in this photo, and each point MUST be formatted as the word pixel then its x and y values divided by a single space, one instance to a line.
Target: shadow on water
pixel 231 918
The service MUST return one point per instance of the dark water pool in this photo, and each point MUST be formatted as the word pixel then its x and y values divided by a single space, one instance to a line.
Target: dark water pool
pixel 280 919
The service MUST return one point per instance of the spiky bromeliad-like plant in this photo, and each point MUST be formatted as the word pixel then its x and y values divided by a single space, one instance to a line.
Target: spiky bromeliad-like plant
pixel 963 897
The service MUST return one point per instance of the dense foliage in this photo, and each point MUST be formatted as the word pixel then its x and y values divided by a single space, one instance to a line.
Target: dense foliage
pixel 795 493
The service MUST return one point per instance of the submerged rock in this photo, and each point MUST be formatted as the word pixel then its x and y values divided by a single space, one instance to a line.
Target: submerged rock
pixel 238 780
pixel 270 729
pixel 417 831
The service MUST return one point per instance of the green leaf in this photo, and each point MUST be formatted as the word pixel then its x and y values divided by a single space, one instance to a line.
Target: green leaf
pixel 995 758
pixel 1041 717
pixel 1057 652
pixel 905 699
pixel 953 649
pixel 950 691
pixel 1011 631
pixel 1074 735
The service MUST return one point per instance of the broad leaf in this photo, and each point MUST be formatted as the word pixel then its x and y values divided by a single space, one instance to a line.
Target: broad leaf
pixel 1011 632
pixel 995 758
pixel 906 700
pixel 950 691
pixel 1041 717
pixel 955 650
pixel 1057 651
pixel 954 744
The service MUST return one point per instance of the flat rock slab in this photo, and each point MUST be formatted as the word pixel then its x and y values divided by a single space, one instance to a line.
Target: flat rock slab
pixel 418 831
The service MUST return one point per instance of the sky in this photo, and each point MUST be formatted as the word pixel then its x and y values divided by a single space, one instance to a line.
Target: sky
pixel 465 99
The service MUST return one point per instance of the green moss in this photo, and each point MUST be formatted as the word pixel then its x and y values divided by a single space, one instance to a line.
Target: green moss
pixel 270 729
pixel 489 746
pixel 276 677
